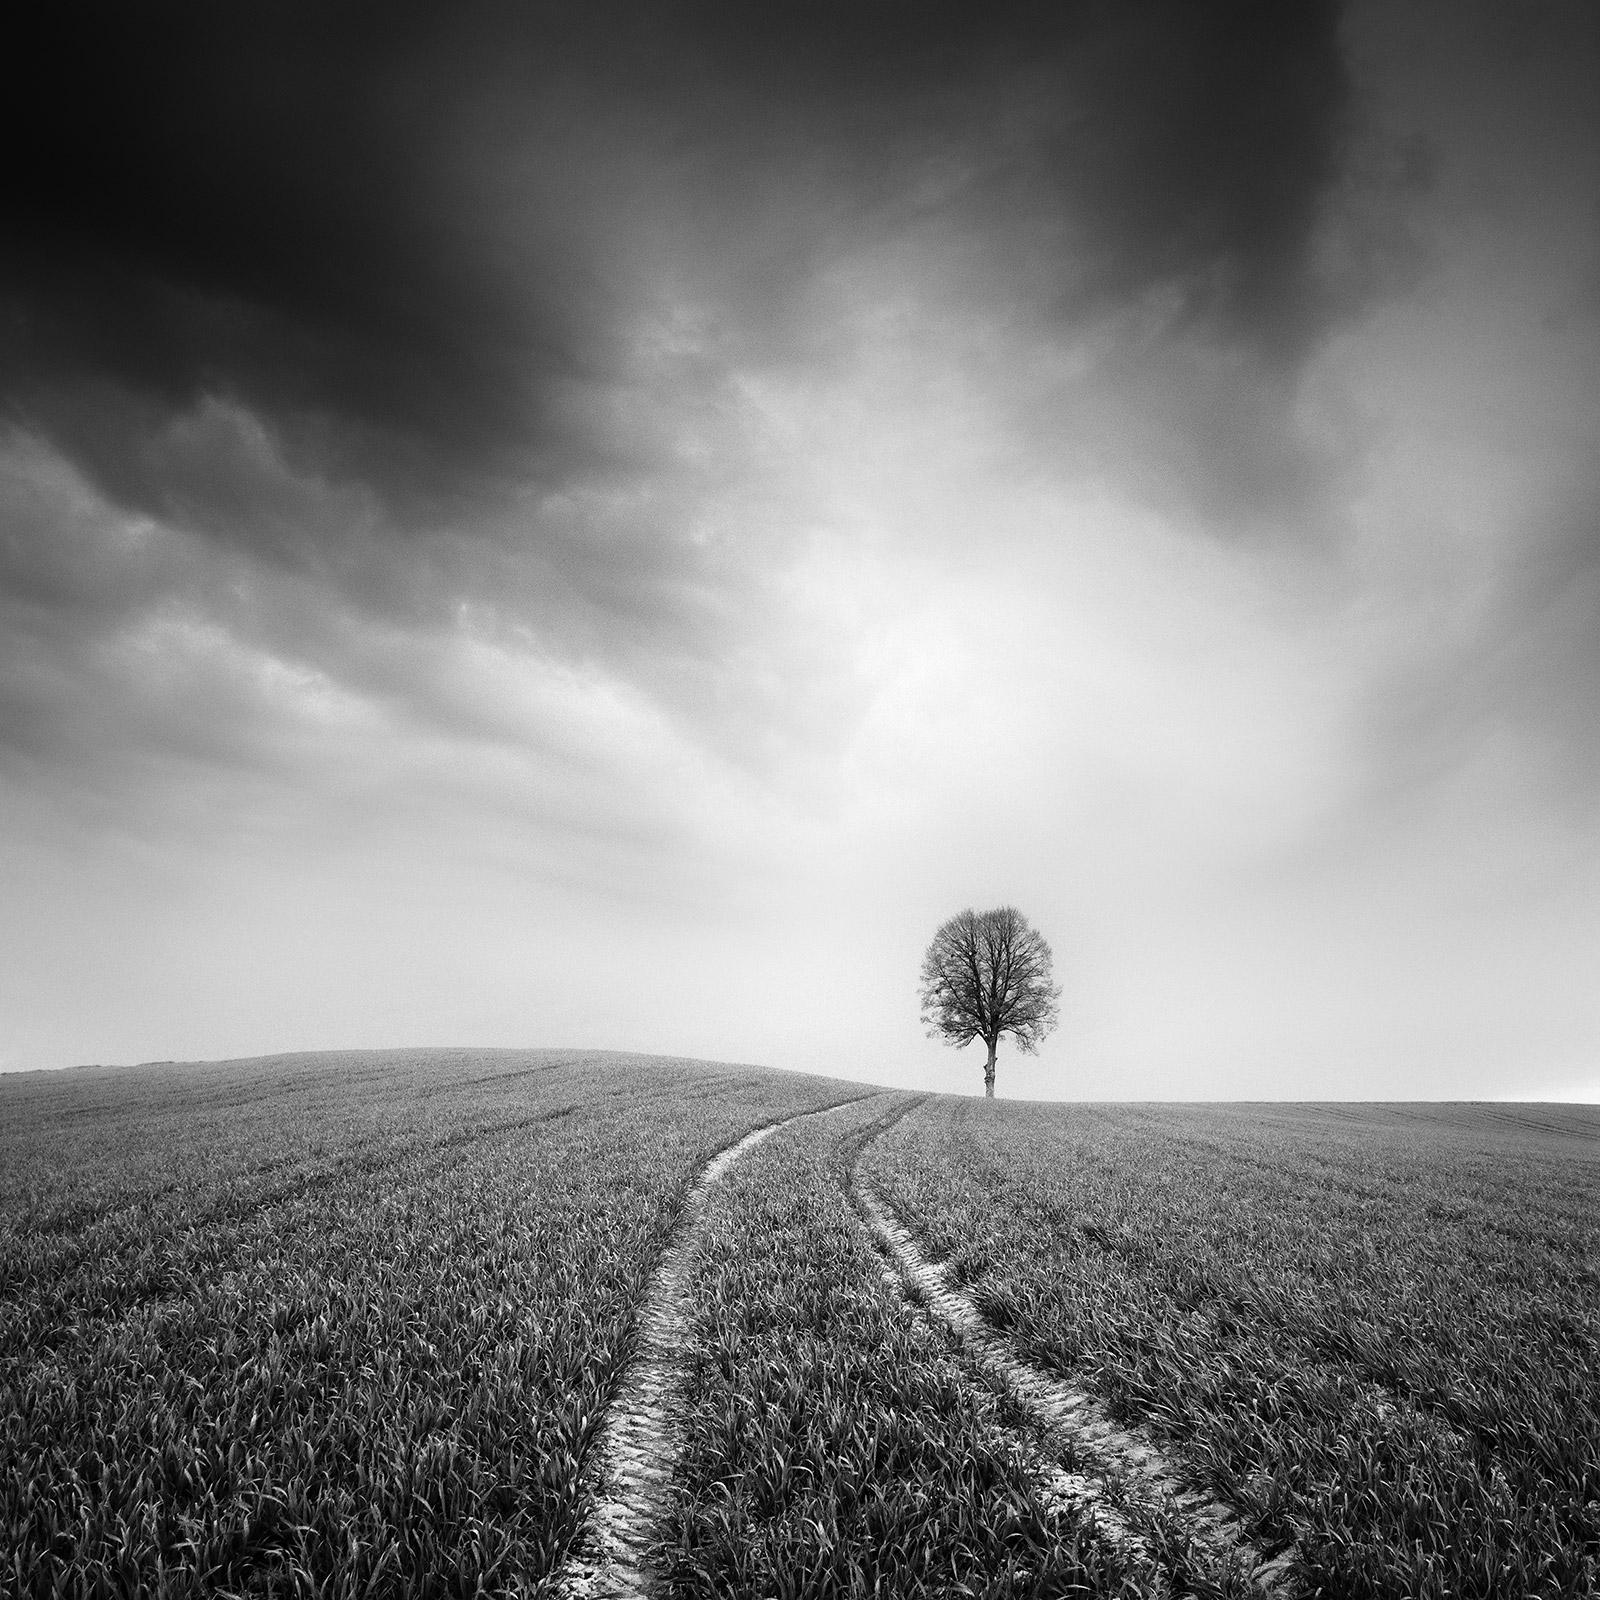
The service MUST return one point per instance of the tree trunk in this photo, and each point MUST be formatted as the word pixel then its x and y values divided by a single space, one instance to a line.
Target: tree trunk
pixel 988 1072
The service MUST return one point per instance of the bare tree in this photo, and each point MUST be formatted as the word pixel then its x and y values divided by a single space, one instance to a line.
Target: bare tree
pixel 987 973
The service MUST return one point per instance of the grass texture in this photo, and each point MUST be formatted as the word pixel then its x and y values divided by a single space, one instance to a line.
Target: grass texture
pixel 342 1326
pixel 1375 1330
pixel 327 1327
pixel 832 1444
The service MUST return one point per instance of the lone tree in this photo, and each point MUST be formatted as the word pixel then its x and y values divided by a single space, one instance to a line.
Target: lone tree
pixel 985 974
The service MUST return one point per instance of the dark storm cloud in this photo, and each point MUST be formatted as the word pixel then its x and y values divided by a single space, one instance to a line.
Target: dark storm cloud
pixel 388 315
pixel 253 202
pixel 412 238
pixel 1193 147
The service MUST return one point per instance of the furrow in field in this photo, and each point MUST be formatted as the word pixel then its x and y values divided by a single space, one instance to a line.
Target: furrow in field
pixel 637 1442
pixel 1077 1416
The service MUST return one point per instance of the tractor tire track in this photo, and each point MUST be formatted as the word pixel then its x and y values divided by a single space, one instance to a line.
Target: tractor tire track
pixel 1077 1417
pixel 637 1445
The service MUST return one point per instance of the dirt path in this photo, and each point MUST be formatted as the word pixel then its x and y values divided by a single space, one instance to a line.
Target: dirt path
pixel 1082 1420
pixel 637 1444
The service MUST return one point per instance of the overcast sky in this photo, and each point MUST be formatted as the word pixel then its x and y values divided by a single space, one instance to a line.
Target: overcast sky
pixel 603 525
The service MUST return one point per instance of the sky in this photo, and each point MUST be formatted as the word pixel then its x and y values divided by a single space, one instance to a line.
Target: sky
pixel 553 525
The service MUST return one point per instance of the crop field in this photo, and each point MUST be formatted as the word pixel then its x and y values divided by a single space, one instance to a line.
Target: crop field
pixel 461 1323
pixel 832 1444
pixel 1375 1331
pixel 330 1327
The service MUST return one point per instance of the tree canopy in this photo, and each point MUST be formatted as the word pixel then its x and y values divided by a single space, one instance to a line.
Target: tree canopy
pixel 987 974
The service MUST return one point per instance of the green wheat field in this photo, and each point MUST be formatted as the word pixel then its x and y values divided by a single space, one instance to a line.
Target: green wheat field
pixel 354 1324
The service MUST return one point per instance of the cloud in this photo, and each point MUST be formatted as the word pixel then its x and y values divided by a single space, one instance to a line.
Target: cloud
pixel 422 251
pixel 373 326
pixel 1473 502
pixel 792 469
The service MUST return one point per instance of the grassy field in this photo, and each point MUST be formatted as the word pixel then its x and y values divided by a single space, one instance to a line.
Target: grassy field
pixel 330 1325
pixel 1375 1330
pixel 352 1325
pixel 832 1444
